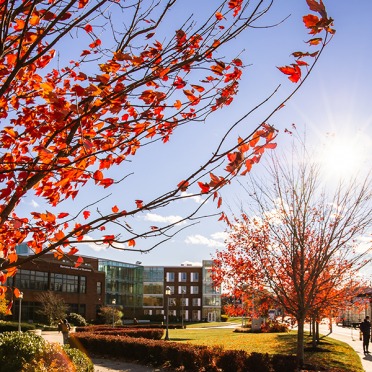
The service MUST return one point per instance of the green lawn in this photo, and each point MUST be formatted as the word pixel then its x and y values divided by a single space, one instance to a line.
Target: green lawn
pixel 333 354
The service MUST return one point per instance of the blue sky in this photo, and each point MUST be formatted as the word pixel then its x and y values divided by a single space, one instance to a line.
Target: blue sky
pixel 334 106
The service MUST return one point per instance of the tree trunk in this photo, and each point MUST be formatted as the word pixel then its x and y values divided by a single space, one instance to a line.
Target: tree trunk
pixel 317 333
pixel 300 343
pixel 314 338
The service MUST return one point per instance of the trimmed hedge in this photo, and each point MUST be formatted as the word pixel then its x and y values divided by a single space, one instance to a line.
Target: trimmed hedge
pixel 191 358
pixel 13 326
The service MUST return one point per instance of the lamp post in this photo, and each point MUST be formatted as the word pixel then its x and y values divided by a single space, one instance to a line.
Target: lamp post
pixel 20 308
pixel 167 293
pixel 183 292
pixel 113 311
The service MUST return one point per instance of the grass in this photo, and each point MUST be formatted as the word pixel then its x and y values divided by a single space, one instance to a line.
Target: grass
pixel 332 354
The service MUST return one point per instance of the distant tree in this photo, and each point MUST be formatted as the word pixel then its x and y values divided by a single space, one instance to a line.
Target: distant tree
pixel 110 314
pixel 300 241
pixel 53 307
pixel 73 112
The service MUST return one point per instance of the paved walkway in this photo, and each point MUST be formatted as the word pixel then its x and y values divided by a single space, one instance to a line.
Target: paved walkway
pixel 351 337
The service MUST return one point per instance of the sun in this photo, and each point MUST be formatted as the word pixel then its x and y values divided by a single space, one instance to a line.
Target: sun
pixel 346 156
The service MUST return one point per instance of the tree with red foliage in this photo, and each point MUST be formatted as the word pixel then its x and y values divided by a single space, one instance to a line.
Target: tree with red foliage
pixel 67 121
pixel 299 242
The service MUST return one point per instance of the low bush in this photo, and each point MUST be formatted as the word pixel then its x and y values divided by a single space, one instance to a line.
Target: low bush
pixel 274 326
pixel 13 326
pixel 27 352
pixel 175 355
pixel 224 318
pixel 151 334
pixel 76 319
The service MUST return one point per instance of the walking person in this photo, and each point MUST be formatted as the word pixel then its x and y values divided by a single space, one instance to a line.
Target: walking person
pixel 365 328
pixel 64 327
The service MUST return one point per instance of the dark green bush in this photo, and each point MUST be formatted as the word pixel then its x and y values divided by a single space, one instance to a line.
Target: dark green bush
pixel 232 360
pixel 283 363
pixel 28 352
pixel 13 326
pixel 257 362
pixel 224 318
pixel 17 348
pixel 76 320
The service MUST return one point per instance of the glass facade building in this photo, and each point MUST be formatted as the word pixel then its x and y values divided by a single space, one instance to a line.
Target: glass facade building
pixel 124 285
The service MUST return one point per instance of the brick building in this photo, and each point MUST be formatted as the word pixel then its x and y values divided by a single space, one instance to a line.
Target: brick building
pixel 82 288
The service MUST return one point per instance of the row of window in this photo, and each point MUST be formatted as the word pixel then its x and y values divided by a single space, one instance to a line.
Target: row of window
pixel 158 301
pixel 195 314
pixel 182 277
pixel 43 281
pixel 158 288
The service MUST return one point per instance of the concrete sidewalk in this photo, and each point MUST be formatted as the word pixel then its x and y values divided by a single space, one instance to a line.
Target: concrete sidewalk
pixel 353 340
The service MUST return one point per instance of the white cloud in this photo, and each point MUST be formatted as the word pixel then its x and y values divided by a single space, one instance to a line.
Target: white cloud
pixel 34 204
pixel 197 198
pixel 189 263
pixel 163 219
pixel 221 235
pixel 202 240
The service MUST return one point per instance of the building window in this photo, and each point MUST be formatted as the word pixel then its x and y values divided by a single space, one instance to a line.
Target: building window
pixel 99 288
pixel 182 277
pixel 170 277
pixel 172 301
pixel 83 284
pixel 194 277
pixel 182 289
pixel 194 289
pixel 30 279
pixel 184 302
pixel 196 302
pixel 65 283
pixel 147 312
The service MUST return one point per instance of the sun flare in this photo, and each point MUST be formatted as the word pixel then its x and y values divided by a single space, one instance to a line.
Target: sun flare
pixel 344 157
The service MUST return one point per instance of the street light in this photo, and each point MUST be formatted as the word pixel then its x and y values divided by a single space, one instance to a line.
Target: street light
pixel 167 293
pixel 183 292
pixel 113 311
pixel 20 296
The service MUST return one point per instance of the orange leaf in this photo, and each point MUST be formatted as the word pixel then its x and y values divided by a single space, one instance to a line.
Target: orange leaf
pixel 315 41
pixel 204 187
pixel 86 214
pixel 131 243
pixel 198 88
pixel 16 292
pixel 58 253
pixel 177 104
pixel 310 20
pixel 115 209
pixel 139 203
pixel 88 28
pixel 72 251
pixel 62 215
pixel 294 72
pixel 59 235
pixel 79 261
pixel 183 185
pixel 219 16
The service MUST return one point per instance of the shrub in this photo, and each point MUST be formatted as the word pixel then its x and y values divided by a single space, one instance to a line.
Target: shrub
pixel 27 352
pixel 13 326
pixel 283 363
pixel 224 318
pixel 232 360
pixel 17 348
pixel 257 362
pixel 76 320
pixel 274 326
